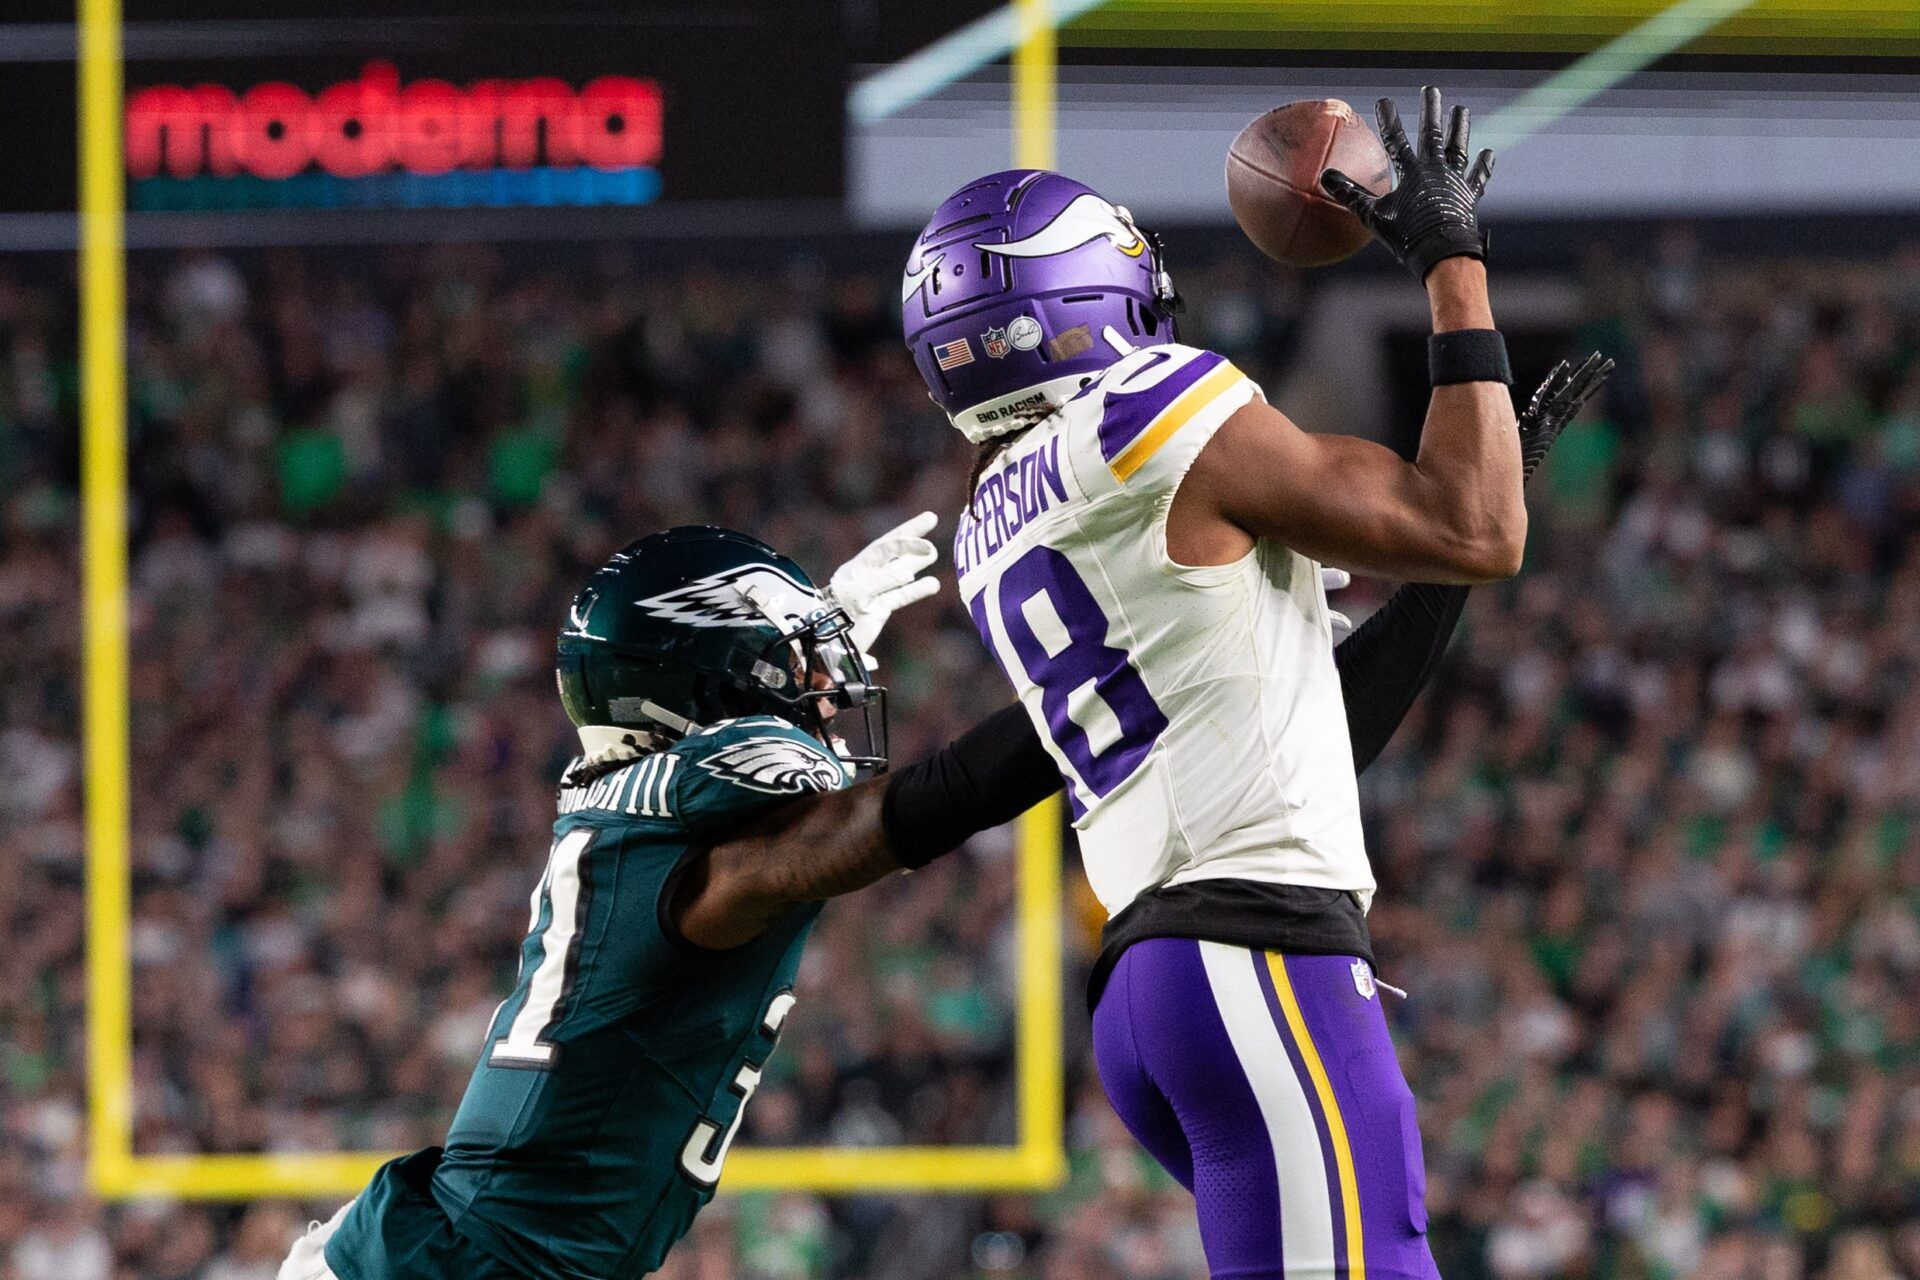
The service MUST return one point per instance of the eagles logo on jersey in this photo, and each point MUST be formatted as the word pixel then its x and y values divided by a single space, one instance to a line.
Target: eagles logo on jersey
pixel 777 766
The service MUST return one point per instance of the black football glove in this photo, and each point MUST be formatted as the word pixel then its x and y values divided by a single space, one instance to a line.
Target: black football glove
pixel 1430 215
pixel 1554 405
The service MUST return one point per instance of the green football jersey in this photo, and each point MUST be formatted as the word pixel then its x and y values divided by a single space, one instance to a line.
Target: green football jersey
pixel 613 1079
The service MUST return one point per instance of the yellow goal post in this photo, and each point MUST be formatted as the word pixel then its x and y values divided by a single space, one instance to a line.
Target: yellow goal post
pixel 1037 1160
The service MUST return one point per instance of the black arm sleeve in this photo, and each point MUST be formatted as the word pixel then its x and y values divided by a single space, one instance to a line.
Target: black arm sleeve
pixel 991 774
pixel 1384 665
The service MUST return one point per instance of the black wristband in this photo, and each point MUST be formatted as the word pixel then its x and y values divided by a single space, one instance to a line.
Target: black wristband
pixel 1468 355
pixel 991 774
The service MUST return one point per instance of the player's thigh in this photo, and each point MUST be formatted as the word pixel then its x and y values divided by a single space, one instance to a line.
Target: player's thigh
pixel 1136 1099
pixel 1306 1159
pixel 308 1258
pixel 1327 1011
pixel 1185 1052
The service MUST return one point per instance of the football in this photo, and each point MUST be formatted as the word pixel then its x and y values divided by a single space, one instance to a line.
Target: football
pixel 1273 180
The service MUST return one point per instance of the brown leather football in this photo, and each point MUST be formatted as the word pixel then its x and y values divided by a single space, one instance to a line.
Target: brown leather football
pixel 1273 180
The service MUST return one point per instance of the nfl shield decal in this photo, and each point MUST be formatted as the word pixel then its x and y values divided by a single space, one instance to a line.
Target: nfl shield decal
pixel 1363 979
pixel 1022 333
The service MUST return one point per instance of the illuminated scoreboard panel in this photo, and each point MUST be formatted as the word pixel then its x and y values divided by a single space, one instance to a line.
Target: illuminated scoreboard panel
pixel 342 104
pixel 377 141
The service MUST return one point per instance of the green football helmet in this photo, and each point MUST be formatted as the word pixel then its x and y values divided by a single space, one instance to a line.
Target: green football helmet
pixel 698 624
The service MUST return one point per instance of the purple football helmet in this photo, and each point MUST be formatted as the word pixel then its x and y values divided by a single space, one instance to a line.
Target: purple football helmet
pixel 1011 289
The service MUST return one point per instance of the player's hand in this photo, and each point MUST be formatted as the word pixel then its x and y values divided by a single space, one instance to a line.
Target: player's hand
pixel 1432 212
pixel 1332 580
pixel 1553 406
pixel 885 577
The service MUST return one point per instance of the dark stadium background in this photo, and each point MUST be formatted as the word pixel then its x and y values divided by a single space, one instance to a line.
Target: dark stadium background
pixel 1649 857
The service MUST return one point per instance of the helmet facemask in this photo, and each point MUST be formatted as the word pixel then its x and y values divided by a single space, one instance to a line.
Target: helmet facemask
pixel 1163 291
pixel 820 677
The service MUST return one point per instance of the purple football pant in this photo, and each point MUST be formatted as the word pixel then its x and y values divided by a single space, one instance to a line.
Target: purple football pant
pixel 1267 1084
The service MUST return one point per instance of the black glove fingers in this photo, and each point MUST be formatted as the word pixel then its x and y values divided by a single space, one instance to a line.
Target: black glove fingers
pixel 1459 128
pixel 1478 175
pixel 1393 137
pixel 1591 375
pixel 1429 216
pixel 1555 404
pixel 1548 389
pixel 1349 193
pixel 1430 122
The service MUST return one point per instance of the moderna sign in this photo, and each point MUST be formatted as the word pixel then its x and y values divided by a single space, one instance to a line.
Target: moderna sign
pixel 375 124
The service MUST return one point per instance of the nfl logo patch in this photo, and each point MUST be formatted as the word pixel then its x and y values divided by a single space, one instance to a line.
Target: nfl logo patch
pixel 951 355
pixel 995 341
pixel 1363 979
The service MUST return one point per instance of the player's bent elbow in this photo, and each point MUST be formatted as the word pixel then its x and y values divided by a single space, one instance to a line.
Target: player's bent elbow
pixel 1501 550
pixel 1487 550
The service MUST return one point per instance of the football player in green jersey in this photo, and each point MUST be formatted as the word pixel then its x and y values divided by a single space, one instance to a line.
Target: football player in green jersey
pixel 731 731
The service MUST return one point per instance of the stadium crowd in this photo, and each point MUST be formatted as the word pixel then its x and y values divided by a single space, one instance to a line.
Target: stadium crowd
pixel 1649 860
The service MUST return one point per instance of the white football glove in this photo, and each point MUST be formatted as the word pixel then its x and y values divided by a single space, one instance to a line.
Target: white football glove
pixel 885 577
pixel 1332 580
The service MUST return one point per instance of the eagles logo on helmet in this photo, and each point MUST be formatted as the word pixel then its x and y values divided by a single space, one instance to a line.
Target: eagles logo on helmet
pixel 695 625
pixel 722 599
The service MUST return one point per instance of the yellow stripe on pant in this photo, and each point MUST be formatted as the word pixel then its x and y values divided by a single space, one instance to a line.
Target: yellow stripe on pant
pixel 1336 1127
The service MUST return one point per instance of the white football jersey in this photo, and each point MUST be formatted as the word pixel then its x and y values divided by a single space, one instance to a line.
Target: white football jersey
pixel 1195 712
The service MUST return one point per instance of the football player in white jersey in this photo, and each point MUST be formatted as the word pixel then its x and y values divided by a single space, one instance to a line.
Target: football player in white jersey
pixel 1142 551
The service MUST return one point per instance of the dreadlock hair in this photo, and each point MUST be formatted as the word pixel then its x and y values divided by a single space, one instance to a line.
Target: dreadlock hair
pixel 988 450
pixel 591 768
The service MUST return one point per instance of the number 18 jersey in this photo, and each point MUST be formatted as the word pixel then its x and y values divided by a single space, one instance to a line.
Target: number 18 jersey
pixel 1194 712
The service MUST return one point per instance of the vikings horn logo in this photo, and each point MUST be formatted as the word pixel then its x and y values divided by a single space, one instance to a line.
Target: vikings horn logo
pixel 910 284
pixel 776 766
pixel 720 599
pixel 1086 217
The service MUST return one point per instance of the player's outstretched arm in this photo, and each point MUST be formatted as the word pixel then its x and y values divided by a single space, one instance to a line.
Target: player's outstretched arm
pixel 1386 663
pixel 1453 514
pixel 824 845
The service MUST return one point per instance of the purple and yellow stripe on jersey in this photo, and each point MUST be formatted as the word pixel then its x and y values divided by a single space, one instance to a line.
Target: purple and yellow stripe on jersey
pixel 1135 424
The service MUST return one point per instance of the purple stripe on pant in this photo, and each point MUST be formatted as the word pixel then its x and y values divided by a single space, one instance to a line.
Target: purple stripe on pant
pixel 1294 1150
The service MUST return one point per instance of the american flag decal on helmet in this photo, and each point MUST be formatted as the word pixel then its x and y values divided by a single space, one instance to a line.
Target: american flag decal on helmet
pixel 951 355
